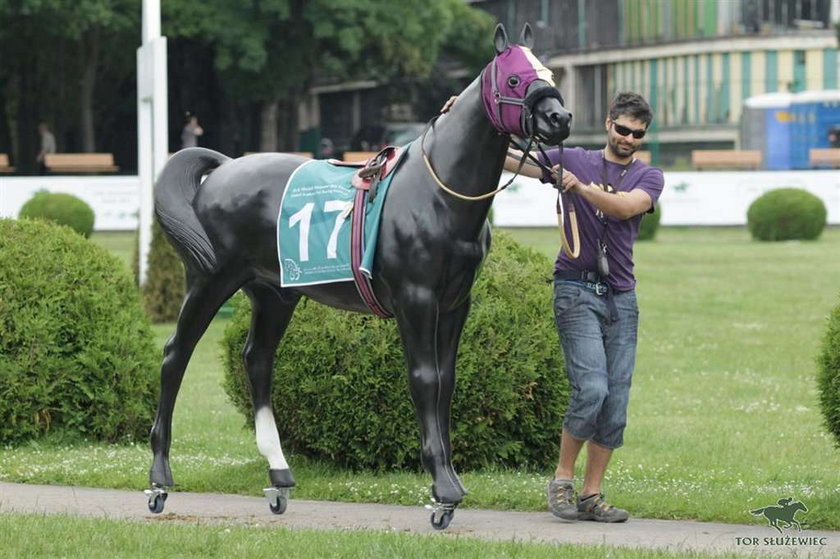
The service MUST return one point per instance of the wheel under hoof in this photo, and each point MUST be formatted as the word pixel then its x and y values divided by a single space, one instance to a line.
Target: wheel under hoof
pixel 278 498
pixel 442 515
pixel 157 498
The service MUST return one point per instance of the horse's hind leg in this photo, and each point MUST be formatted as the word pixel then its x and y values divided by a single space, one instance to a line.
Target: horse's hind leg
pixel 270 316
pixel 204 297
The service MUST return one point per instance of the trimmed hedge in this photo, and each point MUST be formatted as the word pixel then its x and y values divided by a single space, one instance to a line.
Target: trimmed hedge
pixel 650 224
pixel 786 214
pixel 165 285
pixel 64 209
pixel 341 391
pixel 77 356
pixel 828 376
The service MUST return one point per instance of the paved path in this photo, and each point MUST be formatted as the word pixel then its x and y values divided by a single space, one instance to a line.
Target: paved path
pixel 488 524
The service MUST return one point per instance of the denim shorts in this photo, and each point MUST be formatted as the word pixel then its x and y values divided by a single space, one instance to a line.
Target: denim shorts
pixel 600 356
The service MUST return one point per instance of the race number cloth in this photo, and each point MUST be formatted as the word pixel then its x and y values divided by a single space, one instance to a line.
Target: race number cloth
pixel 313 228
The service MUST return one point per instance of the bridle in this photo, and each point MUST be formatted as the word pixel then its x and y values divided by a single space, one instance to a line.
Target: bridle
pixel 523 126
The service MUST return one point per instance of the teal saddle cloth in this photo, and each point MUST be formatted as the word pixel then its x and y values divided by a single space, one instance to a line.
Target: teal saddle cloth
pixel 313 227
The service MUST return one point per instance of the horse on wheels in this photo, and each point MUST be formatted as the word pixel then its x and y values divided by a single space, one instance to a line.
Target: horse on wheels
pixel 433 235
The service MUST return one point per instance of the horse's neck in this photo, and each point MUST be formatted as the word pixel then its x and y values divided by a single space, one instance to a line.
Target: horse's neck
pixel 467 153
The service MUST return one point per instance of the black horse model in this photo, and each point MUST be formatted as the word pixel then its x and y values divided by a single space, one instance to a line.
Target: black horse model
pixel 433 236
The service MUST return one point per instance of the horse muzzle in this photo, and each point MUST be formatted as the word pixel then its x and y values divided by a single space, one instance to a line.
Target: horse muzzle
pixel 546 119
pixel 551 124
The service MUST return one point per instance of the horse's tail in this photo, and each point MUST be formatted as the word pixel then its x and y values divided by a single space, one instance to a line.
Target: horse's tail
pixel 758 512
pixel 174 193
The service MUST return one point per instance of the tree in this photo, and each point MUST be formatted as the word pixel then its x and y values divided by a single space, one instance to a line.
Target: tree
pixel 272 51
pixel 51 52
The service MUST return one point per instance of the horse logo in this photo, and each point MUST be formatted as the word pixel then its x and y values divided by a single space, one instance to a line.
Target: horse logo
pixel 293 268
pixel 784 513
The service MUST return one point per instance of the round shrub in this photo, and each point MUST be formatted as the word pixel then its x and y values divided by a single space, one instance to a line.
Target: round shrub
pixel 77 355
pixel 64 209
pixel 650 224
pixel 165 285
pixel 828 376
pixel 341 387
pixel 786 214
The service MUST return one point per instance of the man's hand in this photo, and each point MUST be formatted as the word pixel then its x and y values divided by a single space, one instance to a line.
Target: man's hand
pixel 570 181
pixel 448 105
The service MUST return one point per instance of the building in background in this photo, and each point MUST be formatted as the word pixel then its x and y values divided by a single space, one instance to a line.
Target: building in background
pixel 696 61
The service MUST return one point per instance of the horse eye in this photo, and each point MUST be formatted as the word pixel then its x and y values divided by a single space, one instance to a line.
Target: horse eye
pixel 513 81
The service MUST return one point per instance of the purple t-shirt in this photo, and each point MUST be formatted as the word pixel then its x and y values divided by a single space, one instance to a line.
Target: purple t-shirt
pixel 590 167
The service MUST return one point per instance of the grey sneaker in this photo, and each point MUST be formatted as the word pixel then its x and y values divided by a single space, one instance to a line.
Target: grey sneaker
pixel 596 508
pixel 562 499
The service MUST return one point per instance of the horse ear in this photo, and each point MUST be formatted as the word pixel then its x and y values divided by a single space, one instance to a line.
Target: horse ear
pixel 500 40
pixel 526 38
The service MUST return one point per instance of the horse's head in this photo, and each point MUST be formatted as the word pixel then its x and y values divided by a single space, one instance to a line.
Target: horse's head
pixel 519 94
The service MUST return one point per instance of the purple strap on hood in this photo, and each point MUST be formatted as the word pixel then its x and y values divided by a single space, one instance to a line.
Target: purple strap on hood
pixel 503 101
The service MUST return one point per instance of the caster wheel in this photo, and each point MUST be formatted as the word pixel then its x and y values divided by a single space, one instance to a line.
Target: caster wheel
pixel 443 519
pixel 278 505
pixel 278 498
pixel 156 503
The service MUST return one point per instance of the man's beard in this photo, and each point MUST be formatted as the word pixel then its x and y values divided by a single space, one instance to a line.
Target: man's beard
pixel 621 150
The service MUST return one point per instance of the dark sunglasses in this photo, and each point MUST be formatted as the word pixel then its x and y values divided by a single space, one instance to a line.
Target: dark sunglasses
pixel 623 131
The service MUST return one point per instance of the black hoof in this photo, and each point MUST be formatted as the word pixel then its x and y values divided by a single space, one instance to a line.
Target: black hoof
pixel 281 478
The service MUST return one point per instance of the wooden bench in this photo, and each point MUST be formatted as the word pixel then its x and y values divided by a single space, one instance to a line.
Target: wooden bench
pixel 725 159
pixel 358 155
pixel 4 164
pixel 80 163
pixel 824 157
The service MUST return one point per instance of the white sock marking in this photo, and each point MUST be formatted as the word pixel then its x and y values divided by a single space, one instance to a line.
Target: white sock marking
pixel 268 441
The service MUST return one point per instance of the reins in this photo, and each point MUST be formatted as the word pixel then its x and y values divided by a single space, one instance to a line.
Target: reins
pixel 448 189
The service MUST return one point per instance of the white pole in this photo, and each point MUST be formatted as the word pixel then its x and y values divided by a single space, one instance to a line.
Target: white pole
pixel 152 122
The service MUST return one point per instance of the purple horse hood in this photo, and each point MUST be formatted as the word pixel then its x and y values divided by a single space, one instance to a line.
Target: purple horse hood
pixel 513 70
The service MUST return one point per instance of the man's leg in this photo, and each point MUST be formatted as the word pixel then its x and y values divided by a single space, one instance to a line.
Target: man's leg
pixel 597 459
pixel 569 451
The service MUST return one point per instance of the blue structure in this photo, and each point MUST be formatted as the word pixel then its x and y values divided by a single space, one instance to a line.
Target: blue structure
pixel 766 125
pixel 786 126
pixel 814 114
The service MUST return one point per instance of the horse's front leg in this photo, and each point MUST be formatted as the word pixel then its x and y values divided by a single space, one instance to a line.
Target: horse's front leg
pixel 430 340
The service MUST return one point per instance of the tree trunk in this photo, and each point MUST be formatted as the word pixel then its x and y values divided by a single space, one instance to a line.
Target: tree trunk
pixel 90 59
pixel 268 125
pixel 289 124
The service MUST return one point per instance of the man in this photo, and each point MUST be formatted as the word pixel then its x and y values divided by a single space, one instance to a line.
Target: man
pixel 595 305
pixel 192 130
pixel 47 146
pixel 595 301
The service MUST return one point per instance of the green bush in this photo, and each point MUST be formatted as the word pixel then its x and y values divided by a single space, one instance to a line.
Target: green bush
pixel 341 391
pixel 786 214
pixel 77 356
pixel 165 284
pixel 828 377
pixel 64 209
pixel 650 224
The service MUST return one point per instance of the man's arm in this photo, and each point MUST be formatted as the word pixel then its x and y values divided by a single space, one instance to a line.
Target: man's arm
pixel 529 169
pixel 619 206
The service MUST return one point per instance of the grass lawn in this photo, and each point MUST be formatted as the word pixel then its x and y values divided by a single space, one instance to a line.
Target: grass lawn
pixel 724 414
pixel 63 536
